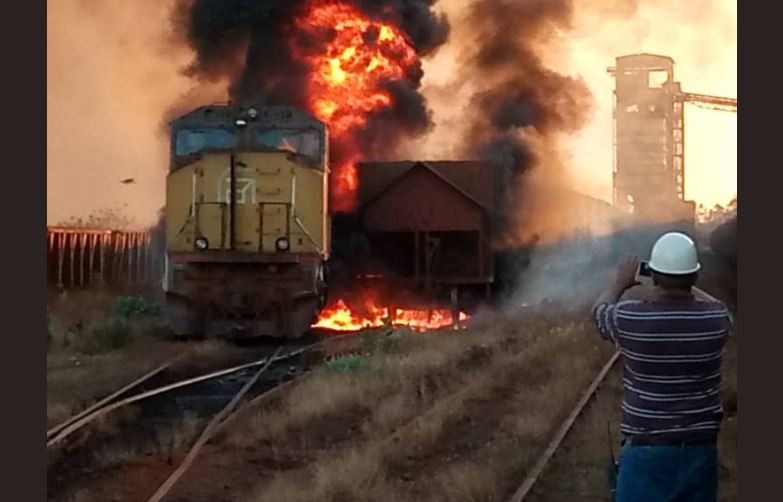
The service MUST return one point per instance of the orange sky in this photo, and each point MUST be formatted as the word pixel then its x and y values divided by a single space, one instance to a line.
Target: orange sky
pixel 111 77
pixel 701 36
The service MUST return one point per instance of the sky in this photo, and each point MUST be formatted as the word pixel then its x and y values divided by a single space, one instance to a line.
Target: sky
pixel 113 73
pixel 701 37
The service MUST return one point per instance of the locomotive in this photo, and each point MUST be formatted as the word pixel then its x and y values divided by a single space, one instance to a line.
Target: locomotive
pixel 247 221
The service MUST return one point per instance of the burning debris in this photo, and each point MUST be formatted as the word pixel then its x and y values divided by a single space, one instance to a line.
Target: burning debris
pixel 340 317
pixel 352 63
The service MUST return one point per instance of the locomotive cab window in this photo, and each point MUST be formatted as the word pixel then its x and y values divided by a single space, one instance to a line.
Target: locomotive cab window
pixel 303 142
pixel 189 141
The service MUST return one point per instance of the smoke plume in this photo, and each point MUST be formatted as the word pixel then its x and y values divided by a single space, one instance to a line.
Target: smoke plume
pixel 505 103
pixel 283 45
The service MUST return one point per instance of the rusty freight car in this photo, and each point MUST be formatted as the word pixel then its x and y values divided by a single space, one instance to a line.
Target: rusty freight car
pixel 82 257
pixel 421 231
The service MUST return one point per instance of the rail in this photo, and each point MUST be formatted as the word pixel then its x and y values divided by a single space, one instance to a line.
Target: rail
pixel 543 460
pixel 57 428
pixel 206 434
pixel 524 489
pixel 106 406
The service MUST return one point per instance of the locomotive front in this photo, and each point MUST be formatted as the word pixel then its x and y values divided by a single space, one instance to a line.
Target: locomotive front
pixel 247 221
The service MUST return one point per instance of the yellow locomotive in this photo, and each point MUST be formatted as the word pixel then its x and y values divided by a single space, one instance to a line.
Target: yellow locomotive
pixel 247 221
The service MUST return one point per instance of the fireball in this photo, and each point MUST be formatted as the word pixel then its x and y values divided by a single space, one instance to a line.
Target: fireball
pixel 348 79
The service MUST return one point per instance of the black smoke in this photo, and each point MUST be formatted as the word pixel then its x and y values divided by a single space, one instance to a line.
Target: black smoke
pixel 272 73
pixel 520 105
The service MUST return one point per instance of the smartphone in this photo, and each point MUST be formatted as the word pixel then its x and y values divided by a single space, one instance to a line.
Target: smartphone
pixel 644 269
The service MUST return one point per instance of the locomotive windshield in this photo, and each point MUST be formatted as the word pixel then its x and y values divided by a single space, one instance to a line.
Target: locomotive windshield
pixel 303 142
pixel 191 141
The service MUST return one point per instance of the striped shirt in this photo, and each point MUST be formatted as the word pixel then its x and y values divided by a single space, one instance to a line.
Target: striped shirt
pixel 672 357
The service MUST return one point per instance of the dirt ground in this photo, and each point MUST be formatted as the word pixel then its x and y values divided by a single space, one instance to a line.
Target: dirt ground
pixel 578 471
pixel 457 416
pixel 441 416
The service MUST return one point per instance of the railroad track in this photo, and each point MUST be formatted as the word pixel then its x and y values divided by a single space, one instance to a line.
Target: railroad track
pixel 59 433
pixel 521 493
pixel 266 376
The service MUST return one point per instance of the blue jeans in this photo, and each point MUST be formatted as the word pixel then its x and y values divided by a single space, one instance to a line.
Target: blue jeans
pixel 668 474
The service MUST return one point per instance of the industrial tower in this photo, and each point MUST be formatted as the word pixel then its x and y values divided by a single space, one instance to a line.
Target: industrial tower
pixel 649 137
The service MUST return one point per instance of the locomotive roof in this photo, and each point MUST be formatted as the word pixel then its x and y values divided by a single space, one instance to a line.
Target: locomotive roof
pixel 226 115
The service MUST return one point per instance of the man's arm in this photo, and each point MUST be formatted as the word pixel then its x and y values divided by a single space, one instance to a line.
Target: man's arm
pixel 603 309
pixel 610 295
pixel 624 280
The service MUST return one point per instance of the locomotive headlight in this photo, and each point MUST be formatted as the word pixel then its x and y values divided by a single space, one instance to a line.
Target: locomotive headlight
pixel 240 122
pixel 282 244
pixel 252 113
pixel 202 244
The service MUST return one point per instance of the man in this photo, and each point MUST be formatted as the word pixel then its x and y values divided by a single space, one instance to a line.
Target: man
pixel 671 347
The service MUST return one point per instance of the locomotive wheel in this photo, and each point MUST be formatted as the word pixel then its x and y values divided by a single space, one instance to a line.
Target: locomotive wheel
pixel 298 317
pixel 183 318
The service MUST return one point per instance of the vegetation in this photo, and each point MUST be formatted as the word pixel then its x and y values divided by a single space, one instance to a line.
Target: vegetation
pixel 440 416
pixel 452 415
pixel 711 218
pixel 99 342
pixel 347 364
pixel 135 307
pixel 111 218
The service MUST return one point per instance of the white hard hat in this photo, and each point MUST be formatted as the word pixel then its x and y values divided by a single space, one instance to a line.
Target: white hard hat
pixel 674 254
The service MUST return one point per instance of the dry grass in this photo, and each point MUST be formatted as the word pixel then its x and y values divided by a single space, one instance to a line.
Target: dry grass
pixel 74 381
pixel 465 482
pixel 180 434
pixel 579 469
pixel 355 475
pixel 435 417
pixel 92 352
pixel 389 390
pixel 167 439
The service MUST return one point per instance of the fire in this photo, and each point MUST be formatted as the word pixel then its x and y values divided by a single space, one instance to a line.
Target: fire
pixel 348 77
pixel 340 317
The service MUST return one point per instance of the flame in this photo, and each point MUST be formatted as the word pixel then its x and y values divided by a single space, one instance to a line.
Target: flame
pixel 340 317
pixel 348 76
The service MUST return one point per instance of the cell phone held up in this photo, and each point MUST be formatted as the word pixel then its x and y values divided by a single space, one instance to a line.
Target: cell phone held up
pixel 644 269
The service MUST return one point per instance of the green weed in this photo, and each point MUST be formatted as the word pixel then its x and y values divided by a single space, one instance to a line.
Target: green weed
pixel 134 307
pixel 351 363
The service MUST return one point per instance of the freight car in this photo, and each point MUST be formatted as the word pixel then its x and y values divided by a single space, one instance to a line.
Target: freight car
pixel 247 221
pixel 420 235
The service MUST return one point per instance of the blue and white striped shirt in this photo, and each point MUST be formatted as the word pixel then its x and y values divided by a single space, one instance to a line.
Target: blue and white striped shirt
pixel 672 357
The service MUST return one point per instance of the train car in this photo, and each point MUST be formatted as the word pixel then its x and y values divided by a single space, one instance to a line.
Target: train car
pixel 247 221
pixel 420 235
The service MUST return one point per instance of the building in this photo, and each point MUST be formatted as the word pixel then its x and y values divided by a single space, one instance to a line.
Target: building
pixel 649 160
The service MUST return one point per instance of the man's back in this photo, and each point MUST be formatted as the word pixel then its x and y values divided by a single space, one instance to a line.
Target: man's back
pixel 672 352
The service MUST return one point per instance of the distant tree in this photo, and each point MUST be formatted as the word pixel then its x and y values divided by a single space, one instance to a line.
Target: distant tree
pixel 112 218
pixel 710 219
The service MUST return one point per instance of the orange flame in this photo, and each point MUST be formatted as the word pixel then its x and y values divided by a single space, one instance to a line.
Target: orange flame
pixel 340 317
pixel 347 80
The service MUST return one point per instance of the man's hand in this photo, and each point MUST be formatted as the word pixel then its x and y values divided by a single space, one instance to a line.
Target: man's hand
pixel 626 278
pixel 626 272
